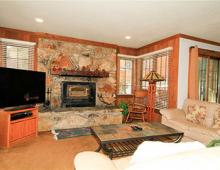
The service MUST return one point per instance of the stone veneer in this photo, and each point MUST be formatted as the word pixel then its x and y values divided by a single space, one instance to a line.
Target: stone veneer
pixel 78 117
pixel 66 55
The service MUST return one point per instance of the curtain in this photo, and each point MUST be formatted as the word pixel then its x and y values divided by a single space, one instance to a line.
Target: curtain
pixel 193 73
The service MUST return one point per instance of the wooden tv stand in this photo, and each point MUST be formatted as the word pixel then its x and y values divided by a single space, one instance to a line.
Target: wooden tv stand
pixel 14 131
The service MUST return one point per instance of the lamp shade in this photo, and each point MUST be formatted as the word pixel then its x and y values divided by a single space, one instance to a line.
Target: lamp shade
pixel 152 77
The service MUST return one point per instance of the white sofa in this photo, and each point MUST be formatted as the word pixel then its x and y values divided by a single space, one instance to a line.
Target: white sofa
pixel 195 159
pixel 176 118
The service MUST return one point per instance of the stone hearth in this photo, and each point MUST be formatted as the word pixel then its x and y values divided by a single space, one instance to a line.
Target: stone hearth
pixel 78 117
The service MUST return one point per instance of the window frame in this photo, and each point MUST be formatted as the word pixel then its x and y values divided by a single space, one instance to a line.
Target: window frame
pixel 208 55
pixel 155 57
pixel 4 55
pixel 132 76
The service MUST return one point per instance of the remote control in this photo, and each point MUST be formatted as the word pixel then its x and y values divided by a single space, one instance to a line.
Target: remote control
pixel 139 128
pixel 136 128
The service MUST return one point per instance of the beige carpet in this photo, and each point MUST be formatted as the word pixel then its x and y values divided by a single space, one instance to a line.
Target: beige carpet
pixel 45 153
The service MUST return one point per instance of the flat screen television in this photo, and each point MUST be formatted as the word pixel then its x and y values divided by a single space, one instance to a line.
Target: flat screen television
pixel 21 87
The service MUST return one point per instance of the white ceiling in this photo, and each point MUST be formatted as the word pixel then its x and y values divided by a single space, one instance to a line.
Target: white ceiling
pixel 111 21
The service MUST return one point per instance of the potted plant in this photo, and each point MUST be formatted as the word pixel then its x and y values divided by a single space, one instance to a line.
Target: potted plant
pixel 124 111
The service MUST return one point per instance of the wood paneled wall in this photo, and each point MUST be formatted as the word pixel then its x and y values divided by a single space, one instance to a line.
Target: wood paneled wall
pixel 173 42
pixel 34 36
pixel 168 42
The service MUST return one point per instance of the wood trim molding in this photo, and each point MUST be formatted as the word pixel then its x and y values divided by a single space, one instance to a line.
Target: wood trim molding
pixel 173 76
pixel 125 95
pixel 117 74
pixel 34 36
pixel 74 40
pixel 127 51
pixel 198 39
pixel 134 69
pixel 208 53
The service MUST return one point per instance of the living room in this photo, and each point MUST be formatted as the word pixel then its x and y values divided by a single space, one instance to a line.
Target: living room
pixel 71 73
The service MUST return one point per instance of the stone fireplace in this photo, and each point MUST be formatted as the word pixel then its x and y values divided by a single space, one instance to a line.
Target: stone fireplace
pixel 78 94
pixel 70 91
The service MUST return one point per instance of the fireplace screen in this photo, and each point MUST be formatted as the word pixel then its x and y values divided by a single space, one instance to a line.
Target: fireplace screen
pixel 77 91
pixel 78 94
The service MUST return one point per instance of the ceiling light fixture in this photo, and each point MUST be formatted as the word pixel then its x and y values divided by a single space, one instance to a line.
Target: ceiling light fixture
pixel 127 37
pixel 40 20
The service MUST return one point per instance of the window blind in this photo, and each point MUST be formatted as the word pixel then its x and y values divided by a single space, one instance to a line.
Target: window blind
pixel 17 54
pixel 160 63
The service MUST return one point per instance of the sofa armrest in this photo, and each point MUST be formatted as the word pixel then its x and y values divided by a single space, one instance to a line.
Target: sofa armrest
pixel 93 161
pixel 173 114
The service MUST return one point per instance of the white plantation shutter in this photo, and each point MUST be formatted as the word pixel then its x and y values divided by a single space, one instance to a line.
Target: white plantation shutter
pixel 17 54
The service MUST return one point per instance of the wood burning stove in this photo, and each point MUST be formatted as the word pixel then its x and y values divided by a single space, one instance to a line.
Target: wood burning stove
pixel 78 94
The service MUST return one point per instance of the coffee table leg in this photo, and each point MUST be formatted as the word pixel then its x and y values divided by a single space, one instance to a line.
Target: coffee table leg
pixel 98 149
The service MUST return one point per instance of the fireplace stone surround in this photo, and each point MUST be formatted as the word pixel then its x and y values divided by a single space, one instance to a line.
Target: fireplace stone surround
pixel 67 55
pixel 75 117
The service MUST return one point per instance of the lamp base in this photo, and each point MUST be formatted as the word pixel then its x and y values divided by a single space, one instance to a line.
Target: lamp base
pixel 151 99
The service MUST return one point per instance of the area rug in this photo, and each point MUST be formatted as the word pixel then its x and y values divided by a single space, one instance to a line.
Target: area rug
pixel 70 133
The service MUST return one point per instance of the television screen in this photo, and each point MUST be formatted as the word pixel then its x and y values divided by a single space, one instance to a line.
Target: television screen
pixel 21 87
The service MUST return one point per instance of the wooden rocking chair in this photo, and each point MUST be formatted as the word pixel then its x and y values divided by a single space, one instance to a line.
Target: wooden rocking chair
pixel 138 109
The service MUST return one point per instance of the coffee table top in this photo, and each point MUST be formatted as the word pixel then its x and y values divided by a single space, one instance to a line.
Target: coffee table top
pixel 120 132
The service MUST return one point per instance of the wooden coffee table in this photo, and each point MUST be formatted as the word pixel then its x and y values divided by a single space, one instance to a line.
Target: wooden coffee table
pixel 121 140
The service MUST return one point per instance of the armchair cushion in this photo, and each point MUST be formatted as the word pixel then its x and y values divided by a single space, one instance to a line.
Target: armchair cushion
pixel 202 159
pixel 147 152
pixel 93 161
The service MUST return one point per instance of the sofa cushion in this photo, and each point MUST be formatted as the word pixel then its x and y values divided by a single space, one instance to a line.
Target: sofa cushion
pixel 211 109
pixel 177 114
pixel 181 125
pixel 202 133
pixel 196 114
pixel 93 161
pixel 217 119
pixel 211 132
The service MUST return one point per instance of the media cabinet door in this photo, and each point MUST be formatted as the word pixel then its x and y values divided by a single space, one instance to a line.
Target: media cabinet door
pixel 21 129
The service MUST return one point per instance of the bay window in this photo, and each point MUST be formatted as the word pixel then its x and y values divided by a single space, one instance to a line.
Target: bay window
pixel 160 64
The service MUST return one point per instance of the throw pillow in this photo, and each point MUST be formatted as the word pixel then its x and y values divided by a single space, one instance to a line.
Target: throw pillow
pixel 196 114
pixel 217 119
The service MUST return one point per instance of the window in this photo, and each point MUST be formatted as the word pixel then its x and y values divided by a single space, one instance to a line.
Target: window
pixel 209 75
pixel 17 54
pixel 125 78
pixel 159 63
